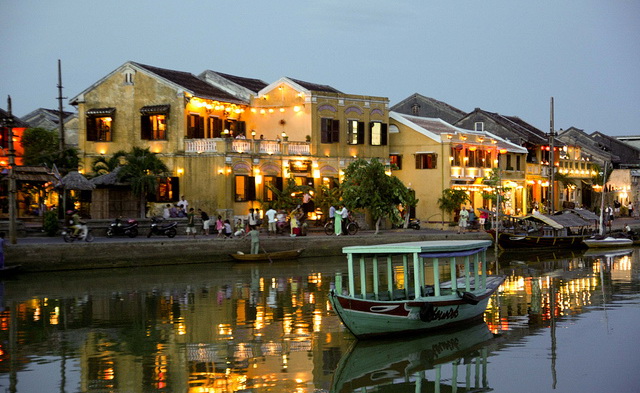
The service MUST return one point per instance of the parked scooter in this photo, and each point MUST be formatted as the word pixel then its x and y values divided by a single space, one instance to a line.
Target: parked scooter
pixel 166 229
pixel 414 223
pixel 120 227
pixel 84 234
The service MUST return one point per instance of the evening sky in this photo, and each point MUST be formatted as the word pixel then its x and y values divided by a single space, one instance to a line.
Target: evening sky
pixel 508 57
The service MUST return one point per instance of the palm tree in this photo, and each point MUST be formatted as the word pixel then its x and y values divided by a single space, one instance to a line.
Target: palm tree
pixel 141 170
pixel 103 165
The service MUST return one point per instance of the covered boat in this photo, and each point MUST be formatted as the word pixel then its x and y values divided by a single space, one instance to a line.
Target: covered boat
pixel 415 286
pixel 566 229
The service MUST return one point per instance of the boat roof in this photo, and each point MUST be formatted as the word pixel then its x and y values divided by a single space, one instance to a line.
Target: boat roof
pixel 432 246
pixel 559 221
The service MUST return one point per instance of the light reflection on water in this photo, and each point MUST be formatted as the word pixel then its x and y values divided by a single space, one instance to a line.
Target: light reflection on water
pixel 268 327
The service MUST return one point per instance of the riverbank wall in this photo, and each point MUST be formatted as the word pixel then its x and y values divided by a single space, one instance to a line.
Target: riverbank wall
pixel 106 254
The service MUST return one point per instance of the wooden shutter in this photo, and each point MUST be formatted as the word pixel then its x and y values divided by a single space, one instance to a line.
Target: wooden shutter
pixel 145 127
pixel 383 134
pixel 92 132
pixel 360 133
pixel 335 131
pixel 250 188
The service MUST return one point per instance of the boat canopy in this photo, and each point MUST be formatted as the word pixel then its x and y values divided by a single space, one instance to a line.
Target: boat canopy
pixel 559 221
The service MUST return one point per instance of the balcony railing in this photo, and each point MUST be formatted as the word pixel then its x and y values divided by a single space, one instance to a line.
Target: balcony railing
pixel 260 146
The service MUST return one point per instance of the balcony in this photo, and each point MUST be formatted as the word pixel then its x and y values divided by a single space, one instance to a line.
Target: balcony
pixel 252 146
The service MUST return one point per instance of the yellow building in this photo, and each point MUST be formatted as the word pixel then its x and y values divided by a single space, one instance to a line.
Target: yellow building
pixel 431 155
pixel 225 138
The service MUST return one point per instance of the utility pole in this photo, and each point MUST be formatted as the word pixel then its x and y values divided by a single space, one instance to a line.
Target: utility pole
pixel 552 159
pixel 60 114
pixel 12 175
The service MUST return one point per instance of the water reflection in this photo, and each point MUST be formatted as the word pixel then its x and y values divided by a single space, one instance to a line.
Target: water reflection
pixel 268 327
pixel 423 364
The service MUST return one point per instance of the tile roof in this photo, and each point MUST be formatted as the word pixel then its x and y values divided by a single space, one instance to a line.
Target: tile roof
pixel 255 85
pixel 17 123
pixel 316 87
pixel 191 82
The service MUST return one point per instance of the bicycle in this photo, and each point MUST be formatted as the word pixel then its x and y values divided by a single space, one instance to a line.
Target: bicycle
pixel 352 226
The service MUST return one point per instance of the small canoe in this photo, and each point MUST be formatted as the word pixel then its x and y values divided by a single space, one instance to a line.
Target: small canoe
pixel 269 256
pixel 608 242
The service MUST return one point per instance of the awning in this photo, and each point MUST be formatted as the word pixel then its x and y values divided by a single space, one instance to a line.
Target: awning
pixel 101 111
pixel 155 109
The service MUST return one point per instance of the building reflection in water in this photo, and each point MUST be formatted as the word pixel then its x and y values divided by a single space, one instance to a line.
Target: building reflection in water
pixel 263 328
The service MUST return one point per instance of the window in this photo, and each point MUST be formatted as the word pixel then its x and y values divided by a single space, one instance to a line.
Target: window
pixel 378 133
pixel 478 126
pixel 195 126
pixel 509 167
pixel 518 168
pixel 245 188
pixel 329 182
pixel 457 153
pixel 355 132
pixel 415 109
pixel 215 127
pixel 329 130
pixel 270 183
pixel 235 127
pixel 396 160
pixel 100 124
pixel 426 160
pixel 153 122
pixel 4 138
pixel 168 190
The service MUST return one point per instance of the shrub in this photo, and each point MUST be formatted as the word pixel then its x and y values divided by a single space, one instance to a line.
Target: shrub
pixel 51 223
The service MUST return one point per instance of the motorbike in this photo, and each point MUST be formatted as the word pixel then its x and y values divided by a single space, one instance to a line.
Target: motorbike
pixel 414 223
pixel 120 227
pixel 84 234
pixel 167 229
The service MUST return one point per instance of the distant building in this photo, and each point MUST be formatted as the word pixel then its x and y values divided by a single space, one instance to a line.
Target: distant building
pixel 633 140
pixel 419 105
pixel 49 119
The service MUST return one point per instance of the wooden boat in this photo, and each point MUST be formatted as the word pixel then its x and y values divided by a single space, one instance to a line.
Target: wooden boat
pixel 9 271
pixel 389 295
pixel 401 365
pixel 567 229
pixel 269 256
pixel 608 241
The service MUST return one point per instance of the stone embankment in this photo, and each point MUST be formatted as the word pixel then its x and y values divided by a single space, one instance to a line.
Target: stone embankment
pixel 52 254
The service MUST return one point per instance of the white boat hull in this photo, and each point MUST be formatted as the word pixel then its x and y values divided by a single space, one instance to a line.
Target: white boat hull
pixel 366 318
pixel 608 242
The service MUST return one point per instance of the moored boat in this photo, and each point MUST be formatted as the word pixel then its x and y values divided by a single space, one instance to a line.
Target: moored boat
pixel 608 241
pixel 567 229
pixel 414 286
pixel 269 256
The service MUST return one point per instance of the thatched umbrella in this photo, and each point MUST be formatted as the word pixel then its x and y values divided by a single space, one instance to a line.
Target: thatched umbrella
pixel 75 181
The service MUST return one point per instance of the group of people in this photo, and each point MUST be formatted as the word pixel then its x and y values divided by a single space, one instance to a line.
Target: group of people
pixel 468 220
pixel 340 218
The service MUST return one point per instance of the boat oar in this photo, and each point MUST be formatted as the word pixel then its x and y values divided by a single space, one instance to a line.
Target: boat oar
pixel 267 254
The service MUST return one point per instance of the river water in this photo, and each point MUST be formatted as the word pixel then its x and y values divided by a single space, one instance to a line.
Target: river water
pixel 560 323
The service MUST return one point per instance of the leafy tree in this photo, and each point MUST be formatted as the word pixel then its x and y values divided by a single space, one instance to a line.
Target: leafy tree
pixel 286 199
pixel 41 147
pixel 141 170
pixel 451 200
pixel 367 186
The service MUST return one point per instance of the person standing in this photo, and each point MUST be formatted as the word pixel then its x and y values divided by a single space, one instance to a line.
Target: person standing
pixel 462 221
pixel 251 218
pixel 183 202
pixel 255 239
pixel 271 217
pixel 205 222
pixel 191 223
pixel 219 226
pixel 337 221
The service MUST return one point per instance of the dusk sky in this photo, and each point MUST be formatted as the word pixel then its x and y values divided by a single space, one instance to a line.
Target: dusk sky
pixel 508 57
